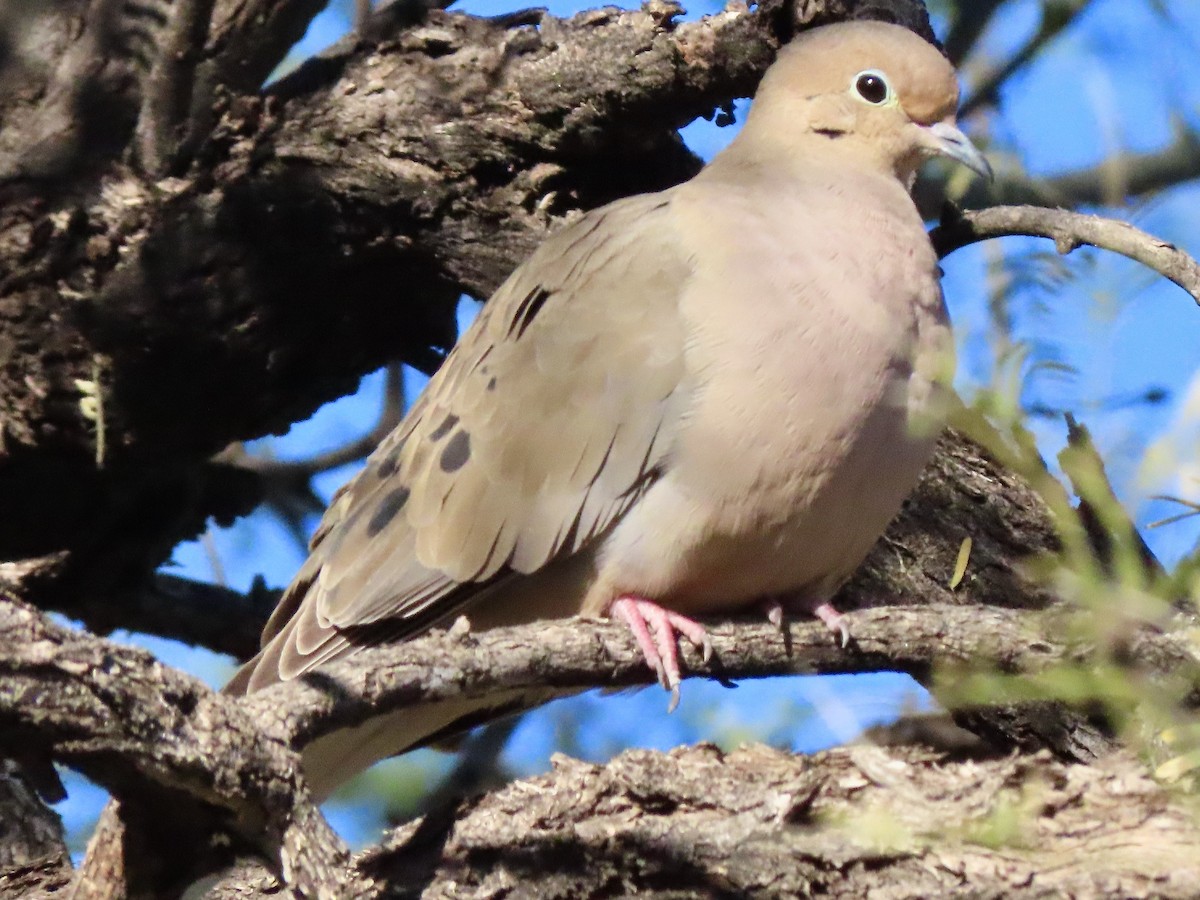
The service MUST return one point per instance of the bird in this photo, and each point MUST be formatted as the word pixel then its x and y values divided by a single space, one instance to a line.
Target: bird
pixel 700 401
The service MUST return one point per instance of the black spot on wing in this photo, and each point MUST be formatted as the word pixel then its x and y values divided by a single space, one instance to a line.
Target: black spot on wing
pixel 527 311
pixel 390 463
pixel 456 452
pixel 444 429
pixel 387 509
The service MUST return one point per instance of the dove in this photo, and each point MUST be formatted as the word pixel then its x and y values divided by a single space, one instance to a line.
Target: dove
pixel 700 401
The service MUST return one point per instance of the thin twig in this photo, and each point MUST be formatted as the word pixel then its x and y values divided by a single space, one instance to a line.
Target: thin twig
pixel 1192 506
pixel 1068 230
pixel 1141 174
pixel 968 25
pixel 287 484
pixel 288 471
pixel 1056 16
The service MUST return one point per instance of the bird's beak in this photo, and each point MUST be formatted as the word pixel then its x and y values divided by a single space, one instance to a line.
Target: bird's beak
pixel 945 139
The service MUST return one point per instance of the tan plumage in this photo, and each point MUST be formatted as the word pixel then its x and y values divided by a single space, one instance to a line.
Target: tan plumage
pixel 705 397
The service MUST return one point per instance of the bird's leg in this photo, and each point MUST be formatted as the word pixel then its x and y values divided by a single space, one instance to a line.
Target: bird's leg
pixel 774 609
pixel 656 631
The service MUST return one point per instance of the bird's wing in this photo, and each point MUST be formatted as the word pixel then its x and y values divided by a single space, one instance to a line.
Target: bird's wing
pixel 548 420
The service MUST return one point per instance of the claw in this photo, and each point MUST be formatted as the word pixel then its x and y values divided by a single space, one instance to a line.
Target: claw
pixel 834 621
pixel 774 610
pixel 656 631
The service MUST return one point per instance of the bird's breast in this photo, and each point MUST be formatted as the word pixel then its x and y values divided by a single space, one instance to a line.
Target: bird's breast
pixel 809 422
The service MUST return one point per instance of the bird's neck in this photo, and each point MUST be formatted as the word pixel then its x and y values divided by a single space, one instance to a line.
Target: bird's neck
pixel 806 160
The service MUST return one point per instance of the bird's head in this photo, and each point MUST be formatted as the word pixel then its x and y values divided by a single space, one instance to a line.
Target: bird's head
pixel 868 91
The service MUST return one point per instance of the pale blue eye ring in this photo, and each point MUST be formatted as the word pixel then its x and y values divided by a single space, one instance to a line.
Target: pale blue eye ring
pixel 873 87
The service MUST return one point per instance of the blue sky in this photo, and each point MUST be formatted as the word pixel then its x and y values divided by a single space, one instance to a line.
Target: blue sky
pixel 1112 82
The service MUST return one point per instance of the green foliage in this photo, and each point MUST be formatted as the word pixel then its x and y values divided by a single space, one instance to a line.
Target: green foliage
pixel 1110 588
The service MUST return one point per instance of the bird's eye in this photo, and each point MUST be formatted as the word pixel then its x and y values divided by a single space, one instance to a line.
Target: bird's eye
pixel 872 86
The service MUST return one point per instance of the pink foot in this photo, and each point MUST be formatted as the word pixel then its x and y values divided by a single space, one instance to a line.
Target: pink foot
pixel 656 631
pixel 824 611
pixel 773 610
pixel 833 620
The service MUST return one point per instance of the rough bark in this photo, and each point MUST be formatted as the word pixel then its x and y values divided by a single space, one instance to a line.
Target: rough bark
pixel 159 740
pixel 33 852
pixel 855 822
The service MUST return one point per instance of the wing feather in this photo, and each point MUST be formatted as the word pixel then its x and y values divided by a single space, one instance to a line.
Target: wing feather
pixel 555 411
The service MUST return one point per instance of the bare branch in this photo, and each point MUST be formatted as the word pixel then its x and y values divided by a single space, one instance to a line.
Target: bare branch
pixel 286 485
pixel 158 739
pixel 168 90
pixel 173 738
pixel 575 655
pixel 970 21
pixel 289 472
pixel 61 687
pixel 203 615
pixel 1121 177
pixel 250 38
pixel 1068 230
pixel 1129 174
pixel 1056 16
pixel 362 12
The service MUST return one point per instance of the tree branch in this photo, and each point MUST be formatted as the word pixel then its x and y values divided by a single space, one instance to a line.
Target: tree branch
pixel 173 738
pixel 166 114
pixel 576 655
pixel 288 472
pixel 157 737
pixel 79 110
pixel 249 38
pixel 203 615
pixel 1122 177
pixel 1056 16
pixel 62 688
pixel 854 822
pixel 33 853
pixel 1068 230
pixel 970 21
